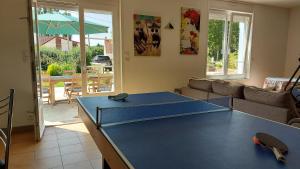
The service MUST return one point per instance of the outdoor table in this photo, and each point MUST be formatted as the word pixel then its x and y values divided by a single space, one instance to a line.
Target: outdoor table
pixel 67 78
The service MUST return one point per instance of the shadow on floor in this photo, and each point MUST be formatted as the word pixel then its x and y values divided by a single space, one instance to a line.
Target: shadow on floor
pixel 61 113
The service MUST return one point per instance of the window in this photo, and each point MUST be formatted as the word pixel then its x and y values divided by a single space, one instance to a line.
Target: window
pixel 229 44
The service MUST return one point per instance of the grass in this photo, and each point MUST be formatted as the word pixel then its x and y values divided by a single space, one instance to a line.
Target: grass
pixel 60 84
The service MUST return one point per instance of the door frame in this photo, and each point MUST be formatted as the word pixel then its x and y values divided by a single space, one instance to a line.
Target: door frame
pixel 39 125
pixel 112 7
pixel 80 5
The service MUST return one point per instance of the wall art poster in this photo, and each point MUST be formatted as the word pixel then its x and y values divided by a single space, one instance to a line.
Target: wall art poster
pixel 147 35
pixel 190 30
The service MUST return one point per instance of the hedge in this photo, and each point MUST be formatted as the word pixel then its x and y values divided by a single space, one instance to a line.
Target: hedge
pixel 67 60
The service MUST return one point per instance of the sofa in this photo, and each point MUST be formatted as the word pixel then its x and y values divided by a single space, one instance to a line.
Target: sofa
pixel 270 105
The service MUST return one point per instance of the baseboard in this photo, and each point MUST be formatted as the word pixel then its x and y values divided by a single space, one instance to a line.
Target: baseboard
pixel 22 129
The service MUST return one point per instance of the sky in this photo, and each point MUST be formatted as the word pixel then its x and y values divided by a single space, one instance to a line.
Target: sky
pixel 104 19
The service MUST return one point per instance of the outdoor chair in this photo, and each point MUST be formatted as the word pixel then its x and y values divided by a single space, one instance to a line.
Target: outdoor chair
pixel 105 83
pixel 46 92
pixel 68 84
pixel 93 80
pixel 6 109
pixel 76 87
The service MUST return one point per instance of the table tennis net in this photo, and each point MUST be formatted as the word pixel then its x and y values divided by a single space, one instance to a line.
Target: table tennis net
pixel 119 115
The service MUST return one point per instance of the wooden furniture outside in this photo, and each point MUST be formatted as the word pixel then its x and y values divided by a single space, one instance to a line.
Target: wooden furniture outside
pixel 46 87
pixel 98 82
pixel 57 79
pixel 53 81
pixel 105 83
pixel 94 79
pixel 76 87
pixel 67 84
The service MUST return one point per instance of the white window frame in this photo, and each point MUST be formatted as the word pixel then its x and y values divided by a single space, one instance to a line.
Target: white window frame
pixel 226 45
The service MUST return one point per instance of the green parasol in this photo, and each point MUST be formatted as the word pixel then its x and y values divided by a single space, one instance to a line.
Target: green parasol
pixel 60 24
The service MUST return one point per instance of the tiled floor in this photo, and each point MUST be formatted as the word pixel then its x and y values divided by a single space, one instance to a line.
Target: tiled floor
pixel 63 147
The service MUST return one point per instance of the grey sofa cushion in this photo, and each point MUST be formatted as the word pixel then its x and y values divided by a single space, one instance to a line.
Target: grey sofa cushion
pixel 228 88
pixel 194 93
pixel 278 99
pixel 202 84
pixel 261 110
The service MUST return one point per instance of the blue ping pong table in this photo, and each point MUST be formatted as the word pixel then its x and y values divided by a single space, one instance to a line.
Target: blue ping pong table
pixel 168 131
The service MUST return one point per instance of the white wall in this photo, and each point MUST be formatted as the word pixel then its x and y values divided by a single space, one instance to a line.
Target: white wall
pixel 293 45
pixel 15 69
pixel 270 29
pixel 171 70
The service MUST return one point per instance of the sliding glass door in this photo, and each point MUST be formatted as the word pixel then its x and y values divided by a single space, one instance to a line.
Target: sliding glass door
pixel 100 49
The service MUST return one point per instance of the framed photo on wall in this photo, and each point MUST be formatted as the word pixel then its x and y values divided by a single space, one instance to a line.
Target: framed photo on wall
pixel 147 35
pixel 190 31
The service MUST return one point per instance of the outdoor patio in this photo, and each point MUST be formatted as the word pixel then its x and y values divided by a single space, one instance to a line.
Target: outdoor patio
pixel 61 112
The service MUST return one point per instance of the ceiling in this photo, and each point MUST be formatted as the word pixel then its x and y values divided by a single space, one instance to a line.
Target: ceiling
pixel 279 3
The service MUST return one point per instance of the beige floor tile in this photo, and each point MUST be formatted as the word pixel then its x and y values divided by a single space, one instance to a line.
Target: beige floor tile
pixel 86 138
pixel 22 137
pixel 46 144
pixel 71 149
pixel 60 130
pixel 83 133
pixel 49 130
pixel 67 135
pixel 89 145
pixel 50 137
pixel 48 163
pixel 22 166
pixel 74 158
pixel 46 153
pixel 25 147
pixel 68 145
pixel 22 159
pixel 70 141
pixel 93 154
pixel 96 164
pixel 80 165
pixel 61 167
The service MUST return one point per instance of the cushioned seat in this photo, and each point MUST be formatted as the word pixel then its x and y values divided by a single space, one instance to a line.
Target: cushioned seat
pixel 255 101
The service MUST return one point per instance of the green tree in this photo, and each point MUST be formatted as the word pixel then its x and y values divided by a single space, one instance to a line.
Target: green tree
pixel 234 41
pixel 216 31
pixel 215 39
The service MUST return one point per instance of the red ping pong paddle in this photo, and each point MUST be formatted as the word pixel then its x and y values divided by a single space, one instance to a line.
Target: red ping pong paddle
pixel 278 147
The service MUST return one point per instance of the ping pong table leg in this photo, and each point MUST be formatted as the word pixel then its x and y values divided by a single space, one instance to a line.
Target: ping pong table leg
pixel 105 164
